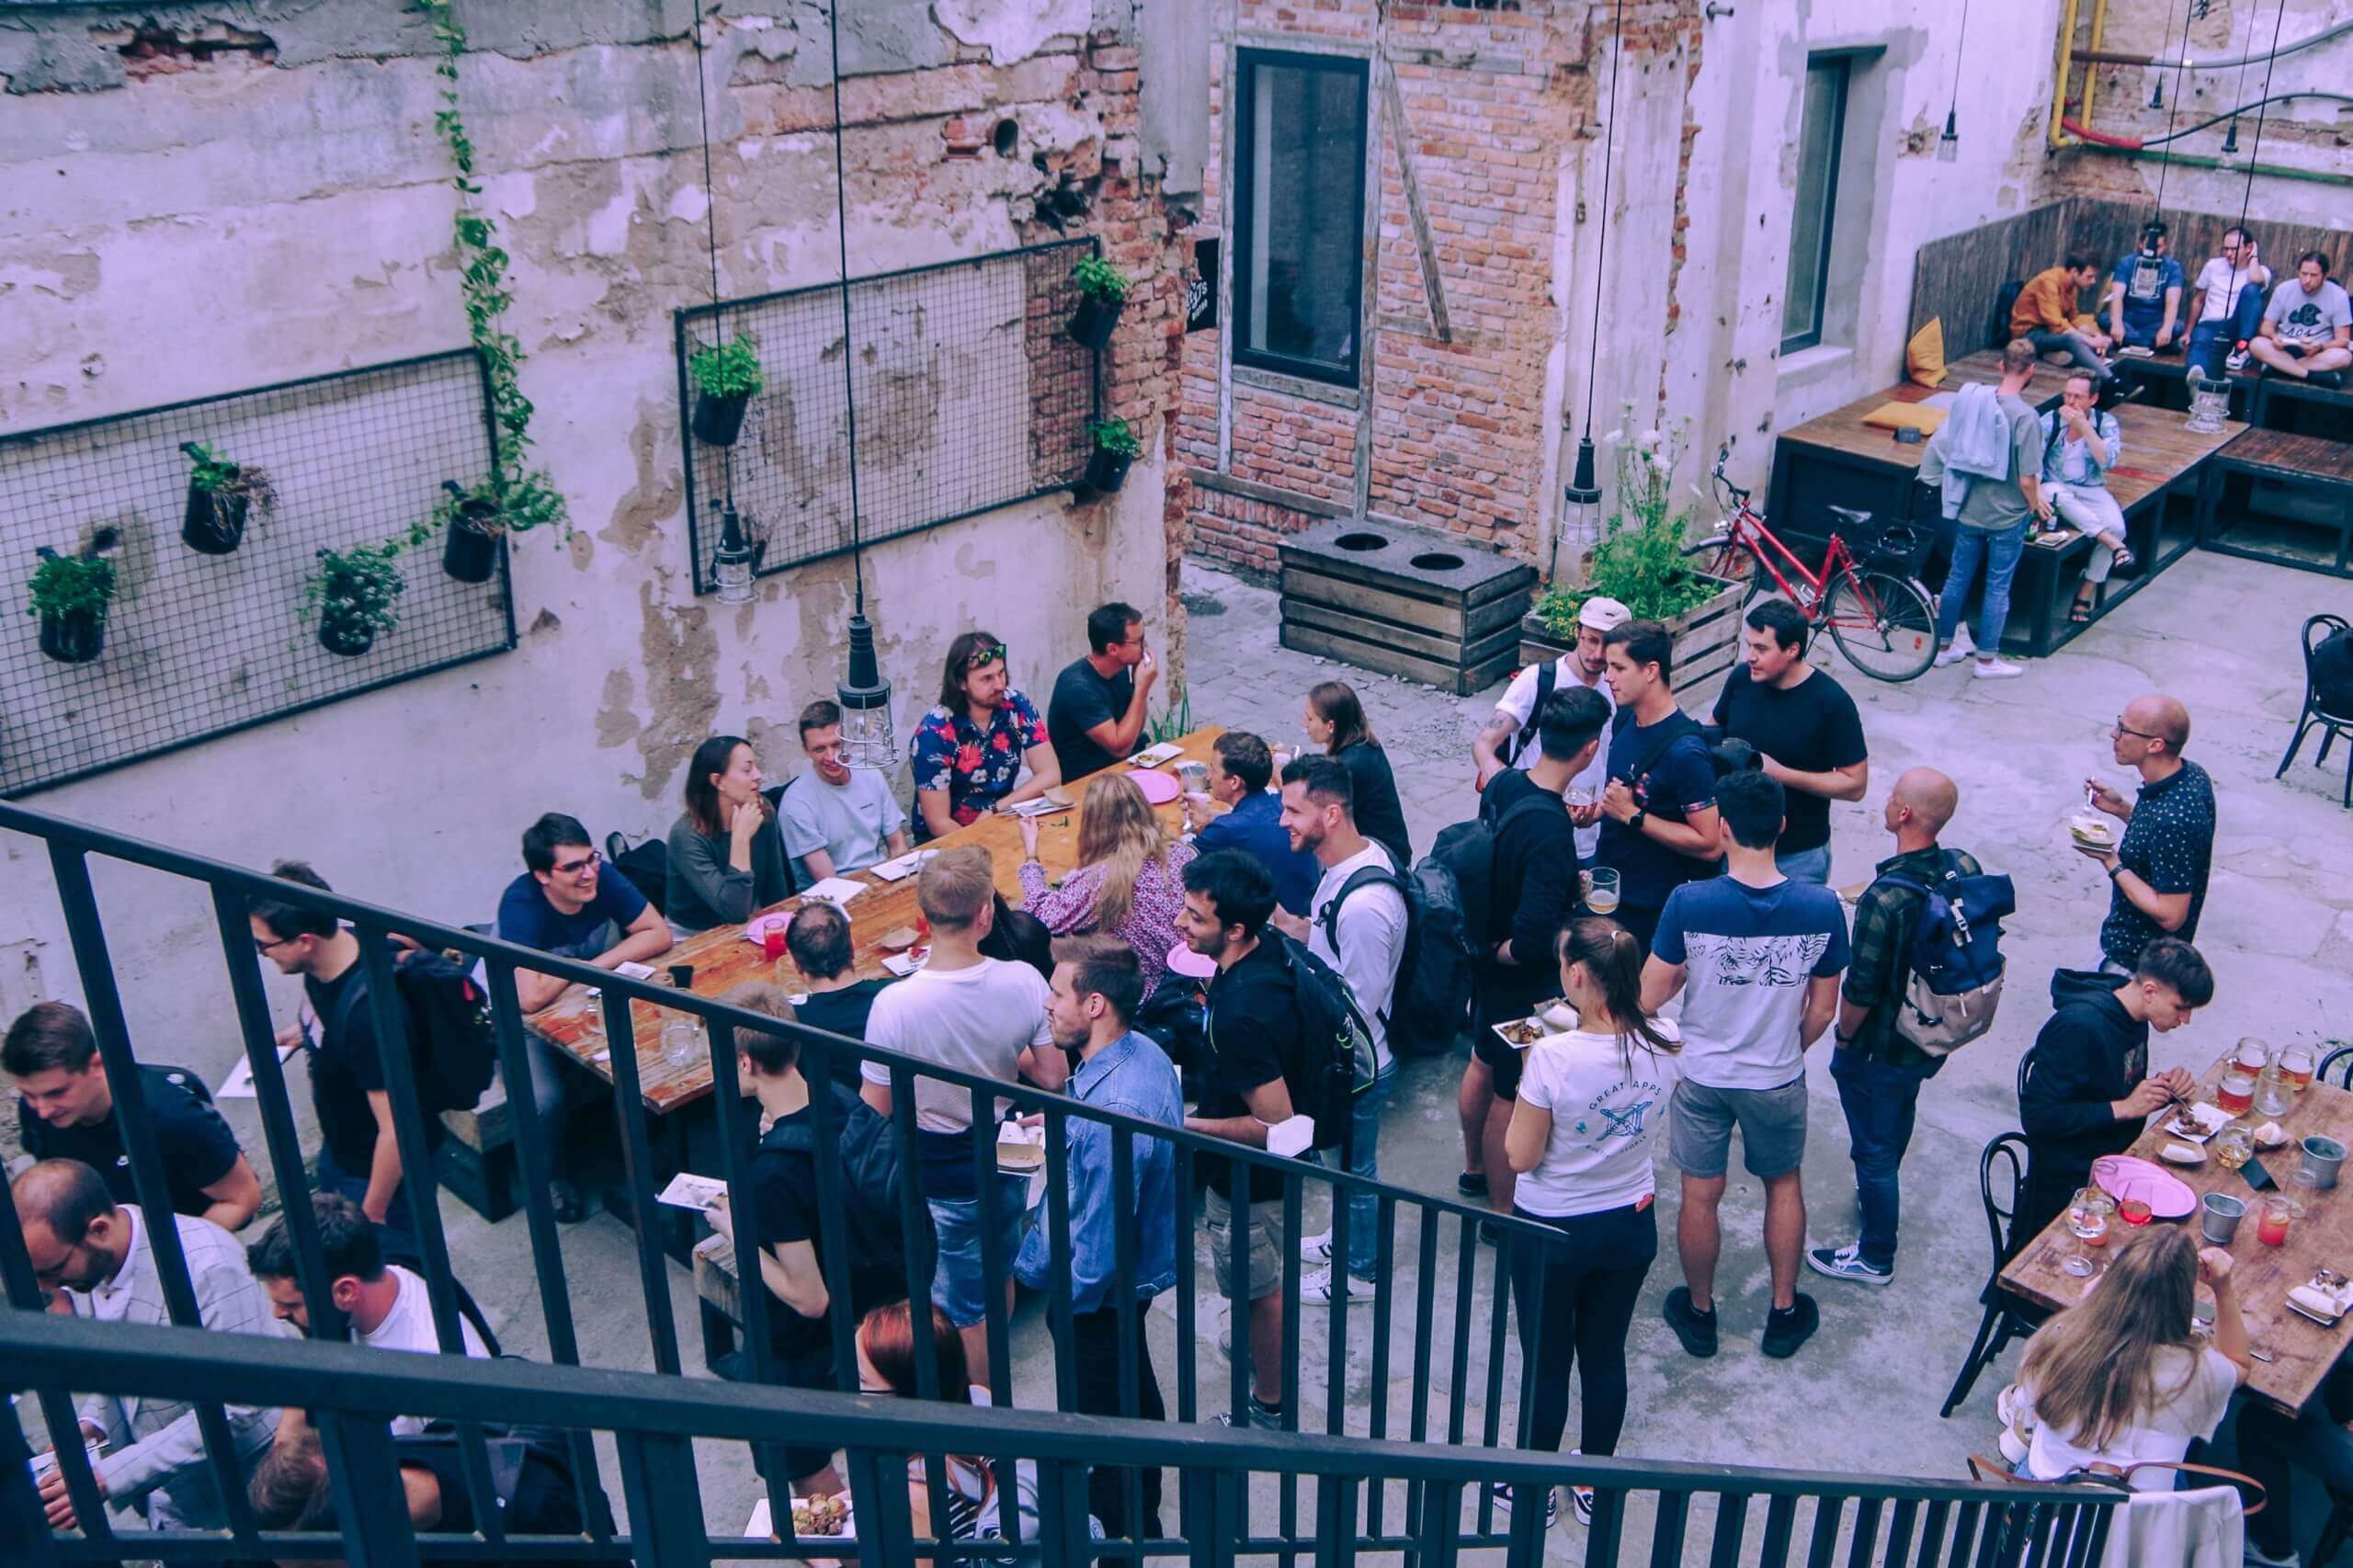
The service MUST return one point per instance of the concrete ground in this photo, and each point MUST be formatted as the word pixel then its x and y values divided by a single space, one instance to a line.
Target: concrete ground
pixel 2217 633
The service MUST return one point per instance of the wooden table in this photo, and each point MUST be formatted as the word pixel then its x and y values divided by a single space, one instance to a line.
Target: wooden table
pixel 2303 1350
pixel 2312 479
pixel 722 958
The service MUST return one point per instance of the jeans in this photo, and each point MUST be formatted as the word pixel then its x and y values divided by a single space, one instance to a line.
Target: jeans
pixel 1878 1100
pixel 1094 1346
pixel 1589 1289
pixel 2211 340
pixel 2000 552
pixel 2077 347
pixel 1364 1208
pixel 1805 865
pixel 2314 1438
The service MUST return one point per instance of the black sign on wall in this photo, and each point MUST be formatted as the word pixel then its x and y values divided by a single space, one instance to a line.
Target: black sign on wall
pixel 1200 286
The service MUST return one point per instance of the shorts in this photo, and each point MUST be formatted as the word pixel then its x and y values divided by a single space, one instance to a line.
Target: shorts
pixel 1500 1002
pixel 1267 1245
pixel 1771 1123
pixel 959 1287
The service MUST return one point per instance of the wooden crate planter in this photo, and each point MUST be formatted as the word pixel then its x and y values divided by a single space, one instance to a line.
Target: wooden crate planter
pixel 1706 646
pixel 1404 601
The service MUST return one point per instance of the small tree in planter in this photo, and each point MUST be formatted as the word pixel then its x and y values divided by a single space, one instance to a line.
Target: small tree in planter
pixel 354 594
pixel 726 377
pixel 1102 291
pixel 70 594
pixel 474 520
pixel 1115 447
pixel 220 494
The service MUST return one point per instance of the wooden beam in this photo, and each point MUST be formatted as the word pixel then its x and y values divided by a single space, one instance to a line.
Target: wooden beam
pixel 1393 104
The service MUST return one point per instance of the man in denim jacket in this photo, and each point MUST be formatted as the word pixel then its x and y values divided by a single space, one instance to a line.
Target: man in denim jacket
pixel 2080 444
pixel 1096 986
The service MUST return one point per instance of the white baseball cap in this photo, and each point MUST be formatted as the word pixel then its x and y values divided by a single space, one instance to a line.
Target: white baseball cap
pixel 1602 613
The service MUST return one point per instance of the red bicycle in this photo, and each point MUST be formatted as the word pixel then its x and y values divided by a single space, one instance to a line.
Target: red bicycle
pixel 1878 613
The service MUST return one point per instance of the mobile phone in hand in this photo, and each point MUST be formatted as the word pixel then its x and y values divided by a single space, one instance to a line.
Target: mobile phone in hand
pixel 2256 1177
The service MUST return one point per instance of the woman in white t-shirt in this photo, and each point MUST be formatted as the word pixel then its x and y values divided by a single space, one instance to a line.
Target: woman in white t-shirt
pixel 1591 1102
pixel 2119 1378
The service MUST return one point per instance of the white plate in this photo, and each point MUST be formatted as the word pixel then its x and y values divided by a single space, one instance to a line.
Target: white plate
pixel 1153 756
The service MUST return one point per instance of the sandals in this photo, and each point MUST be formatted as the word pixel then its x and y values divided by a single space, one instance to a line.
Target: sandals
pixel 2080 612
pixel 2124 559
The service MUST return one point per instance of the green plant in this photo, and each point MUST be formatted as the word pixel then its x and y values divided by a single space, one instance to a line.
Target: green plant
pixel 1639 560
pixel 1175 720
pixel 1114 436
pixel 1099 279
pixel 481 279
pixel 727 370
pixel 72 584
pixel 216 475
pixel 357 587
pixel 528 503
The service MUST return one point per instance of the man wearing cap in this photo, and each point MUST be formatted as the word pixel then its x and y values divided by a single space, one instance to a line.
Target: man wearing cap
pixel 1509 738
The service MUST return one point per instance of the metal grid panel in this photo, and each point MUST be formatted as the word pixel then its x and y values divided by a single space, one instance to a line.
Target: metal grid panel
pixel 969 397
pixel 200 645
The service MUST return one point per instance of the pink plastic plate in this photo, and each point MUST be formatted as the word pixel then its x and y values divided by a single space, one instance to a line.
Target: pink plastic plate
pixel 1184 960
pixel 2122 1176
pixel 756 930
pixel 1158 788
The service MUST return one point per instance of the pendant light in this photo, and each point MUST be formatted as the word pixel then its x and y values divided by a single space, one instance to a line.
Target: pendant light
pixel 1581 509
pixel 731 564
pixel 1948 145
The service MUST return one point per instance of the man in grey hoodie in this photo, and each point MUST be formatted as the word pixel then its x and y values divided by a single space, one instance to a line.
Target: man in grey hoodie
pixel 1992 518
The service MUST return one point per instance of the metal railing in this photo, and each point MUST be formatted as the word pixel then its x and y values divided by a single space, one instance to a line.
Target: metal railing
pixel 1426 1323
pixel 1664 1514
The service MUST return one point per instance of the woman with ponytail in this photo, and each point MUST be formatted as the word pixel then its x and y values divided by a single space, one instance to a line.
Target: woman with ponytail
pixel 1590 1104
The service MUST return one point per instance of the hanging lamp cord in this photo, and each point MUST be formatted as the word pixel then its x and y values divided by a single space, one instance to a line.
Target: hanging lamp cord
pixel 2246 196
pixel 1601 253
pixel 841 236
pixel 1961 43
pixel 2173 110
pixel 710 230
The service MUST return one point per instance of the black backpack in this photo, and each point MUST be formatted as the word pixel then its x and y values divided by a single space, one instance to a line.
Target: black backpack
pixel 1463 857
pixel 872 1175
pixel 1438 968
pixel 647 866
pixel 1548 675
pixel 451 1040
pixel 1336 1062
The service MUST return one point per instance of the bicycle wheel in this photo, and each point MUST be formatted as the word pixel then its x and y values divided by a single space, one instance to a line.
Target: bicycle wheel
pixel 1886 625
pixel 1719 555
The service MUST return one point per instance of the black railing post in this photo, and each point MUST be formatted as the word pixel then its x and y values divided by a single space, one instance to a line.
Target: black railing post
pixel 371 1504
pixel 57 1413
pixel 665 1524
pixel 24 1538
pixel 737 1139
pixel 1135 1351
pixel 1732 1526
pixel 1061 1253
pixel 1609 1525
pixel 637 1161
pixel 1384 1300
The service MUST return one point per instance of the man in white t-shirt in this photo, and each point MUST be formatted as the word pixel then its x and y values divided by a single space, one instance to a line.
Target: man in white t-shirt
pixel 1360 933
pixel 975 1015
pixel 2226 304
pixel 387 1306
pixel 836 818
pixel 1509 738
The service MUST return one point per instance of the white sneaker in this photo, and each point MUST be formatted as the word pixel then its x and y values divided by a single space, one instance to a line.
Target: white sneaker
pixel 2236 361
pixel 1953 654
pixel 1315 1290
pixel 1963 641
pixel 1998 669
pixel 2258 1558
pixel 1316 1248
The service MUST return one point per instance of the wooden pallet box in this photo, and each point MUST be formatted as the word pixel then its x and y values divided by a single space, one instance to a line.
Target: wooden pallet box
pixel 1706 646
pixel 1404 601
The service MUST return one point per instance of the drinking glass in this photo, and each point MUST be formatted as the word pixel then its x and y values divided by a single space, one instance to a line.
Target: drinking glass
pixel 2201 1311
pixel 2251 1055
pixel 2271 1230
pixel 1581 796
pixel 2234 1146
pixel 1602 898
pixel 2087 1222
pixel 680 1042
pixel 2235 1093
pixel 2296 1067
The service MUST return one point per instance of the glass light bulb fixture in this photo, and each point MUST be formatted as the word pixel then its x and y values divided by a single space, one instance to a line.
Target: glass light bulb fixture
pixel 731 564
pixel 867 739
pixel 1581 513
pixel 1948 145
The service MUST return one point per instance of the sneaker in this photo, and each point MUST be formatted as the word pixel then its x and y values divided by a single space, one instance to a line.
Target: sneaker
pixel 1998 669
pixel 1784 1332
pixel 1502 1493
pixel 2136 351
pixel 1472 1184
pixel 2236 361
pixel 1265 1420
pixel 1316 1248
pixel 1581 1499
pixel 1847 1262
pixel 1946 657
pixel 1315 1290
pixel 1695 1329
pixel 1491 1233
pixel 2258 1558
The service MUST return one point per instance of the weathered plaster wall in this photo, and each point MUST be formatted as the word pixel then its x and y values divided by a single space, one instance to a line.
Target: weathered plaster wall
pixel 172 225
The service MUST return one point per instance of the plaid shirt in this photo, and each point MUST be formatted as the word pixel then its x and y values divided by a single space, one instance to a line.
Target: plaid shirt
pixel 1880 968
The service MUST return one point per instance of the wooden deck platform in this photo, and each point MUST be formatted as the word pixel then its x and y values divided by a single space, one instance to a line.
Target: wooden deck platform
pixel 2279 496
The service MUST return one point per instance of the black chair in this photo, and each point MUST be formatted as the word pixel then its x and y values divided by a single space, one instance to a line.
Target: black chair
pixel 2334 726
pixel 2007 1317
pixel 2341 1056
pixel 2005 300
pixel 2026 1068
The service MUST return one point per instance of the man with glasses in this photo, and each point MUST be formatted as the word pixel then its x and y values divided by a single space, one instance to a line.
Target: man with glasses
pixel 563 903
pixel 2158 871
pixel 2226 307
pixel 969 751
pixel 1096 715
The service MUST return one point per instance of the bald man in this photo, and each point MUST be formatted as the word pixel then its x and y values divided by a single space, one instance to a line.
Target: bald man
pixel 1878 1074
pixel 2158 871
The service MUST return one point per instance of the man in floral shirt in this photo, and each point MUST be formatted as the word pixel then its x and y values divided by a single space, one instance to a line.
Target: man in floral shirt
pixel 969 751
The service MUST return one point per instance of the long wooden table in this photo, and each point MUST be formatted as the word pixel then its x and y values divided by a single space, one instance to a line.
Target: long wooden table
pixel 2302 1350
pixel 721 958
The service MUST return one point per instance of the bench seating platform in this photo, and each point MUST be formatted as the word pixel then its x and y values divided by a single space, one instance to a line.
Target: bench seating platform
pixel 2286 498
pixel 477 1160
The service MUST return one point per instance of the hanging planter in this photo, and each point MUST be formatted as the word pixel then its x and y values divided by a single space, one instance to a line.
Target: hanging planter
pixel 220 495
pixel 355 594
pixel 70 594
pixel 1115 447
pixel 1103 289
pixel 726 377
pixel 473 532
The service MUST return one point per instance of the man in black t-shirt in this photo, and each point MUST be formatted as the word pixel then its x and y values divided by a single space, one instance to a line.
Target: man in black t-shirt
pixel 839 1001
pixel 1658 811
pixel 65 1112
pixel 1096 715
pixel 1805 726
pixel 1254 1037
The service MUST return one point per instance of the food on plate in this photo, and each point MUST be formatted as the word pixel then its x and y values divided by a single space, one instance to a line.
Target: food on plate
pixel 2271 1135
pixel 1522 1032
pixel 2182 1154
pixel 823 1514
pixel 2097 833
pixel 898 937
pixel 1019 1156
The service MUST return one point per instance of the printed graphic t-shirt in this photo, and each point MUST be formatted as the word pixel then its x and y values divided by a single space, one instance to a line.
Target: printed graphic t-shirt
pixel 1748 954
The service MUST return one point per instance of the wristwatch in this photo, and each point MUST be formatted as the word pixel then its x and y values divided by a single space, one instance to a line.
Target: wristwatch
pixel 1635 822
pixel 2116 870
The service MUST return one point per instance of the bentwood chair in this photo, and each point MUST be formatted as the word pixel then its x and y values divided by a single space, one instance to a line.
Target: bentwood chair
pixel 2334 726
pixel 2340 1062
pixel 2001 1178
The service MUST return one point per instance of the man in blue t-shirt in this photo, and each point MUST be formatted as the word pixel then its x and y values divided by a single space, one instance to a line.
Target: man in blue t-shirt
pixel 2144 304
pixel 1758 957
pixel 1241 767
pixel 1658 810
pixel 563 904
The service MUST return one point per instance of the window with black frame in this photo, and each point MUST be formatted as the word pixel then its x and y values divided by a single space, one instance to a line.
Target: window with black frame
pixel 1821 127
pixel 1299 197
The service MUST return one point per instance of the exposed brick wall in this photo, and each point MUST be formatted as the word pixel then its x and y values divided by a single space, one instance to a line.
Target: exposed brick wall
pixel 1236 531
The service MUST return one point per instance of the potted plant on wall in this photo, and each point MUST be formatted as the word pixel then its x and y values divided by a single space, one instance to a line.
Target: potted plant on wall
pixel 1115 447
pixel 474 521
pixel 220 494
pixel 354 594
pixel 726 377
pixel 70 594
pixel 1102 289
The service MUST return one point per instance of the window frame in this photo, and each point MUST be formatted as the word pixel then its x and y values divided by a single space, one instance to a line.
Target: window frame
pixel 1242 231
pixel 1843 63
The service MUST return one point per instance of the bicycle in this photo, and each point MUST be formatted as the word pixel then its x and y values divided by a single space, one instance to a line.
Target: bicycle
pixel 1878 613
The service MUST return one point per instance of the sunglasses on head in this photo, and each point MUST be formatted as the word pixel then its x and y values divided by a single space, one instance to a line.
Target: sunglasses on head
pixel 989 655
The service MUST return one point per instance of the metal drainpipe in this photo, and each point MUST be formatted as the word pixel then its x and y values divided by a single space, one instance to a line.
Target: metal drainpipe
pixel 2090 58
pixel 2233 166
pixel 2059 83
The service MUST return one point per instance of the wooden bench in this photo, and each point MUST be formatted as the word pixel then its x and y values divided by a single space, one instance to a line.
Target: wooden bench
pixel 2300 408
pixel 719 1295
pixel 477 1161
pixel 2163 381
pixel 2286 498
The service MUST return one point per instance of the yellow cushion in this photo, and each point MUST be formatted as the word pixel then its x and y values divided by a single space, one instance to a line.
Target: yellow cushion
pixel 1906 416
pixel 1924 356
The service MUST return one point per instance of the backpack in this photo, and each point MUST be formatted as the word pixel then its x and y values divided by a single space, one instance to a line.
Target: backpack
pixel 1430 1005
pixel 1172 1018
pixel 1460 871
pixel 1954 970
pixel 647 866
pixel 452 1039
pixel 1548 677
pixel 872 1177
pixel 1336 1061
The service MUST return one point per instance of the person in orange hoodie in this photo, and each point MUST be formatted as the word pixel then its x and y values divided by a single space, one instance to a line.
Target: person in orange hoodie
pixel 2045 315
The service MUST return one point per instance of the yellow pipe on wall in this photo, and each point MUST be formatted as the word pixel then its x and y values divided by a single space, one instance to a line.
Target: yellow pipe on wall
pixel 2091 71
pixel 2059 83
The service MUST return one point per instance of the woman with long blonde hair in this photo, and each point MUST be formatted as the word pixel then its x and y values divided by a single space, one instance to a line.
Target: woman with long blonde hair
pixel 1128 883
pixel 2119 1378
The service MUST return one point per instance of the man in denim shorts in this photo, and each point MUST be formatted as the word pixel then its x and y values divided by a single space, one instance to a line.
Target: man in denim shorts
pixel 1758 957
